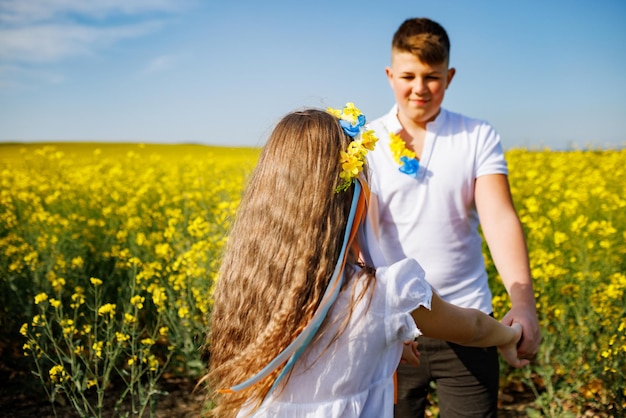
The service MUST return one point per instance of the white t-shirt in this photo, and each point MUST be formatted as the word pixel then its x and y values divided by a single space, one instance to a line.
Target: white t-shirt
pixel 353 377
pixel 432 218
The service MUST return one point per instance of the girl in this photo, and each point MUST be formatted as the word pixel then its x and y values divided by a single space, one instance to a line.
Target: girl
pixel 303 325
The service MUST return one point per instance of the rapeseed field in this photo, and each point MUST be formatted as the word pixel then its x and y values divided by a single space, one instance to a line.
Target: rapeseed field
pixel 109 252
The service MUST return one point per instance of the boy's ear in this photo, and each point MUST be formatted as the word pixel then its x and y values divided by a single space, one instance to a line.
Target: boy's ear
pixel 389 73
pixel 450 75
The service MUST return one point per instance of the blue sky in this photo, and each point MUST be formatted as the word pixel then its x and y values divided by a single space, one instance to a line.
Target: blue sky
pixel 544 73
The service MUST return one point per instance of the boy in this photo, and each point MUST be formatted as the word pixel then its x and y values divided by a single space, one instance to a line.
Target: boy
pixel 434 173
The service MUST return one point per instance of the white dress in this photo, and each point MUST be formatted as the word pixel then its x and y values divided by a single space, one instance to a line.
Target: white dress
pixel 353 377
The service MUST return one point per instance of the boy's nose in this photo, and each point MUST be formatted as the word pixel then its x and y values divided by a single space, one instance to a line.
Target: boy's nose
pixel 419 86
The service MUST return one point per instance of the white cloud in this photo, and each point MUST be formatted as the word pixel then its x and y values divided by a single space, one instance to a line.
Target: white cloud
pixel 19 12
pixel 39 31
pixel 52 42
pixel 161 63
pixel 35 33
pixel 16 77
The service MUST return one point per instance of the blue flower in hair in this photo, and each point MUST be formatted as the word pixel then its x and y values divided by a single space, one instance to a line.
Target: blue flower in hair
pixel 353 129
pixel 409 166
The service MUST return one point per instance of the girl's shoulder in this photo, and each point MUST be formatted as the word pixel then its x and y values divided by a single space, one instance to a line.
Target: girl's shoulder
pixel 404 285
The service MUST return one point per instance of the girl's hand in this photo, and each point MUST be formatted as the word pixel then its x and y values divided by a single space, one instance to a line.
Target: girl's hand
pixel 410 354
pixel 509 351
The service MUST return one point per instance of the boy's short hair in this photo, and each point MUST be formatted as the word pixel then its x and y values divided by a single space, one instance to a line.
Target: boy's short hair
pixel 424 38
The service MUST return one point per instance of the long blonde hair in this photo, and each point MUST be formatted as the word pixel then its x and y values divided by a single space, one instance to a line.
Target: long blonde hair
pixel 280 255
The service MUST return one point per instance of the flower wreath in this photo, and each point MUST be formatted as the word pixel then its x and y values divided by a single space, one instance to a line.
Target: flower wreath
pixel 352 159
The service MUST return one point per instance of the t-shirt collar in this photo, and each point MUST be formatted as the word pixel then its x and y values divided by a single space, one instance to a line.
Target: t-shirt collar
pixel 394 125
pixel 392 121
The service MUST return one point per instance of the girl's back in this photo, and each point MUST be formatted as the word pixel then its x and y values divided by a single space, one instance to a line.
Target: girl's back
pixel 352 376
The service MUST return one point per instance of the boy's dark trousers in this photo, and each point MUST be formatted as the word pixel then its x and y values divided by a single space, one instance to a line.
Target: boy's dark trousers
pixel 467 381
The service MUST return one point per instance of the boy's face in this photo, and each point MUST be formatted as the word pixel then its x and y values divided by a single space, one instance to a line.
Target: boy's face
pixel 418 87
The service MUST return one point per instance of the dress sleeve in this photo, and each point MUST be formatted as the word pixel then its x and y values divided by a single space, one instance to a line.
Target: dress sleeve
pixel 406 290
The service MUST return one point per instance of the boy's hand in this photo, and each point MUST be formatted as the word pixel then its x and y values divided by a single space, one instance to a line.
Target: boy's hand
pixel 509 351
pixel 531 334
pixel 410 354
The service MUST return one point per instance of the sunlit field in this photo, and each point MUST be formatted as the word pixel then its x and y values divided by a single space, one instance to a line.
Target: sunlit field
pixel 109 253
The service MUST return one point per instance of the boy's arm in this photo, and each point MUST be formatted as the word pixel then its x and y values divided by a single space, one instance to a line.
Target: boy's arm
pixel 505 237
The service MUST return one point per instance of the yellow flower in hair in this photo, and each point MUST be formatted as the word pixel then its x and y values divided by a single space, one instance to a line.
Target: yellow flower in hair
pixel 351 113
pixel 351 164
pixel 335 112
pixel 368 138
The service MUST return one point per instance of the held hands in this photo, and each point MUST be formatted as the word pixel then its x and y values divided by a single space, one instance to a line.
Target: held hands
pixel 509 351
pixel 531 335
pixel 410 354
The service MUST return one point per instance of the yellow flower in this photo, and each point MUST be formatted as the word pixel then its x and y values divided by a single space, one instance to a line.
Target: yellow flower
pixel 42 297
pixel 162 249
pixel 163 331
pixel 107 308
pixel 351 113
pixel 129 319
pixel 140 238
pixel 121 337
pixel 338 113
pixel 153 363
pixel 560 238
pixel 351 166
pixel 24 329
pixel 183 312
pixel 137 301
pixel 95 281
pixel 37 320
pixel 369 139
pixel 58 284
pixel 158 296
pixel 97 348
pixel 55 303
pixel 57 373
pixel 147 341
pixel 68 327
pixel 77 300
pixel 77 262
pixel 91 383
pixel 398 148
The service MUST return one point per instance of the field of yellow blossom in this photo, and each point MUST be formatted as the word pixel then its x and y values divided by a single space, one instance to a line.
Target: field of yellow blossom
pixel 108 254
